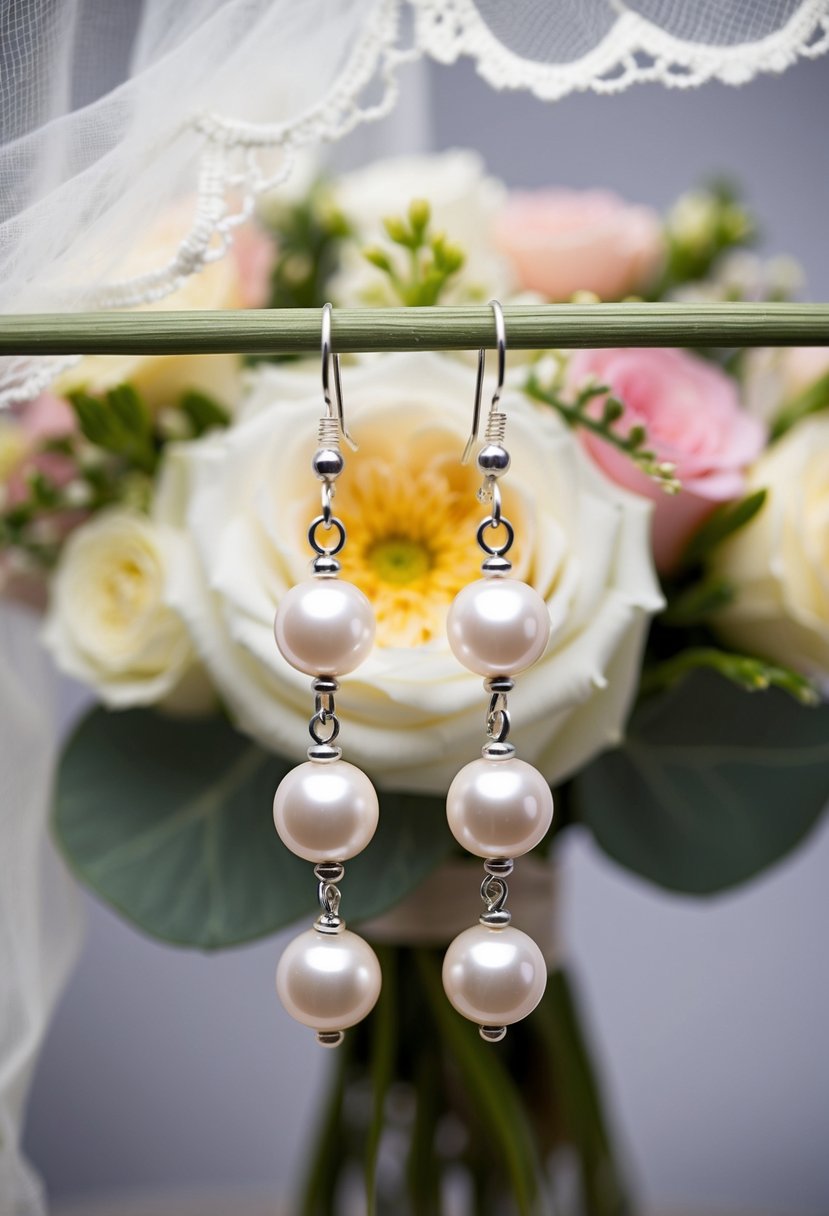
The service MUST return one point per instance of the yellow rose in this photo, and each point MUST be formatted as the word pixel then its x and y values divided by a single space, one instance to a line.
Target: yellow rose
pixel 779 563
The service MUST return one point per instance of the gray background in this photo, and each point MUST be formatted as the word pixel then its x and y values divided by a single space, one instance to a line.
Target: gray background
pixel 169 1070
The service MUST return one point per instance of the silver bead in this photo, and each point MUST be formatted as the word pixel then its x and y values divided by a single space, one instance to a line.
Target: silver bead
pixel 327 464
pixel 493 460
pixel 325 566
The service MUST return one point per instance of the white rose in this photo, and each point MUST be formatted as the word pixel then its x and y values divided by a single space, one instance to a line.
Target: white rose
pixel 110 623
pixel 410 714
pixel 779 562
pixel 463 201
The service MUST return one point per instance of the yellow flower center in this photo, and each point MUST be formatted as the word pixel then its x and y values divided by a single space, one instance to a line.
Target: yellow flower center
pixel 411 522
pixel 126 591
pixel 400 560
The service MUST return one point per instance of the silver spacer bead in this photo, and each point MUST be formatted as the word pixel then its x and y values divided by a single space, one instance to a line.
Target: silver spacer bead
pixel 332 1038
pixel 325 684
pixel 496 920
pixel 495 566
pixel 493 460
pixel 492 1034
pixel 497 751
pixel 327 464
pixel 499 867
pixel 329 871
pixel 324 753
pixel 325 566
pixel 498 684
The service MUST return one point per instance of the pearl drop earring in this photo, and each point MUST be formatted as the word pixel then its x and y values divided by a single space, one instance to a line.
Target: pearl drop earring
pixel 326 810
pixel 498 807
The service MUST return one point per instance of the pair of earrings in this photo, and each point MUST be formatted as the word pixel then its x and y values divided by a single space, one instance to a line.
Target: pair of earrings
pixel 498 807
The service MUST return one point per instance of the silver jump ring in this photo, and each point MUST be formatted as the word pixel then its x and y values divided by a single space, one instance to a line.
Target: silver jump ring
pixel 333 522
pixel 325 718
pixel 492 522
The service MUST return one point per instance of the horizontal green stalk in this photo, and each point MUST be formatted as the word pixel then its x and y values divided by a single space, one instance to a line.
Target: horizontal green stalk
pixel 529 327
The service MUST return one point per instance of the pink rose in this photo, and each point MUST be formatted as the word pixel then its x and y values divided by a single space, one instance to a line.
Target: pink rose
pixel 253 252
pixel 692 414
pixel 44 418
pixel 28 429
pixel 563 241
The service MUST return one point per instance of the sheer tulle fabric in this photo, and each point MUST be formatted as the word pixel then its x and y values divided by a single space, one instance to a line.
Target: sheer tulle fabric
pixel 113 114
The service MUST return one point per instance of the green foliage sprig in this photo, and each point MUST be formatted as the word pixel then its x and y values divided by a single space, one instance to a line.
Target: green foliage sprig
pixel 308 236
pixel 113 458
pixel 422 263
pixel 701 227
pixel 750 673
pixel 633 442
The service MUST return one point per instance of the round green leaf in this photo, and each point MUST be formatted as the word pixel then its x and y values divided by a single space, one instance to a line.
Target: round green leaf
pixel 711 786
pixel 169 821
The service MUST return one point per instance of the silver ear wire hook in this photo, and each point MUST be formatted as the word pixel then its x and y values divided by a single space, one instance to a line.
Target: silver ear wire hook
pixel 338 384
pixel 501 341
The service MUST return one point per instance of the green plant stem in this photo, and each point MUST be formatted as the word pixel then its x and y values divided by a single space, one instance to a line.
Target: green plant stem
pixel 529 327
pixel 318 1195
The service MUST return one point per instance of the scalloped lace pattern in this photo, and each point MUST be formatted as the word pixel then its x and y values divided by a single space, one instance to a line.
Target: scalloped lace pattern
pixel 633 51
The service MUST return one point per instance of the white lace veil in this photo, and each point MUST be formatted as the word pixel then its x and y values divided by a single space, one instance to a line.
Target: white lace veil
pixel 111 114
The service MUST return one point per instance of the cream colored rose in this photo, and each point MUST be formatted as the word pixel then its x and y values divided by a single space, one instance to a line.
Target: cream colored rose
pixel 463 202
pixel 110 623
pixel 775 376
pixel 410 714
pixel 226 283
pixel 779 563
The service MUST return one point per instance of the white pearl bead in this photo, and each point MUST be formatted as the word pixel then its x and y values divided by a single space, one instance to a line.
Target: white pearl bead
pixel 499 808
pixel 328 982
pixel 494 976
pixel 325 812
pixel 498 626
pixel 324 626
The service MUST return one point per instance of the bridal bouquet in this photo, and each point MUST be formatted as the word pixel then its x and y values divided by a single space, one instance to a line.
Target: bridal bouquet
pixel 671 507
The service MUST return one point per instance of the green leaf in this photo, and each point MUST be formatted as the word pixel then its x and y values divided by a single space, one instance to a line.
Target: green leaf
pixel 696 603
pixel 169 821
pixel 723 522
pixel 710 786
pixel 205 413
pixel 496 1100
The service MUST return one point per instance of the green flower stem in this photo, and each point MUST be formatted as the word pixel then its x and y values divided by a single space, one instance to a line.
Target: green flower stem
pixel 557 1025
pixel 749 672
pixel 529 327
pixel 318 1196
